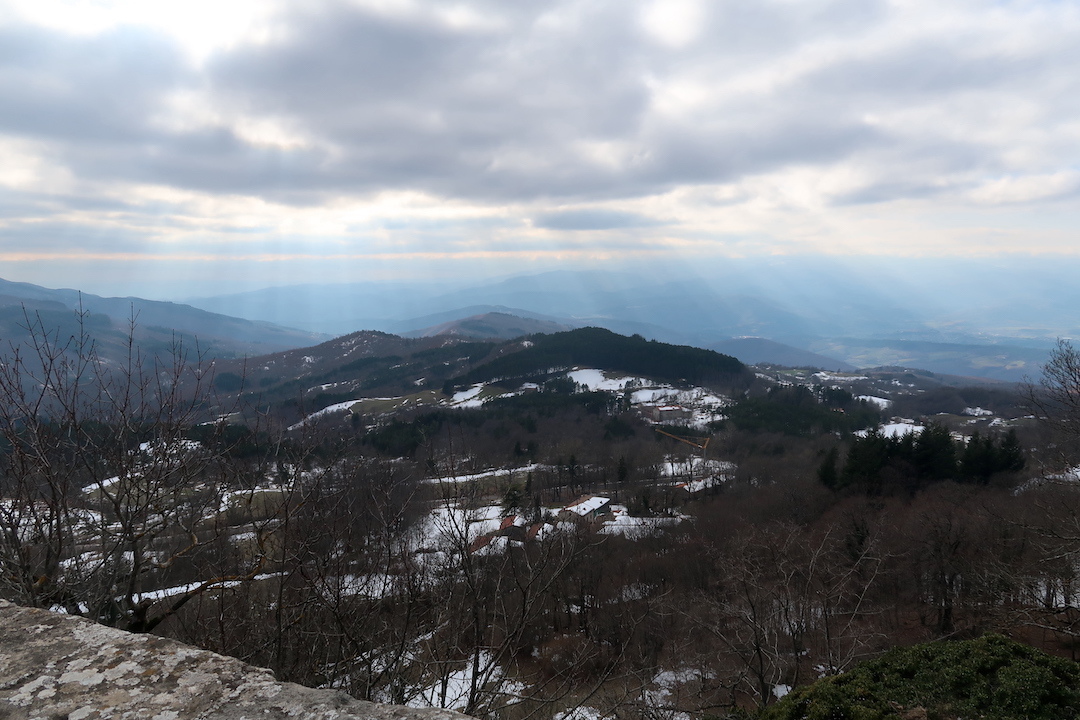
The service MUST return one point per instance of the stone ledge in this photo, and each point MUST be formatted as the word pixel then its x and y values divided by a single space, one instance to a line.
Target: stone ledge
pixel 58 666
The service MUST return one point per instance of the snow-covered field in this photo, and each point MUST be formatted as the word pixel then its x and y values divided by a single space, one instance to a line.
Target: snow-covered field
pixel 328 410
pixel 826 376
pixel 676 467
pixel 484 474
pixel 636 528
pixel 450 526
pixel 597 380
pixel 896 429
pixel 453 691
pixel 704 406
pixel 181 589
pixel 467 398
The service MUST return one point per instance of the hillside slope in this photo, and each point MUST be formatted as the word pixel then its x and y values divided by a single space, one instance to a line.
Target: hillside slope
pixel 600 348
pixel 491 325
pixel 156 325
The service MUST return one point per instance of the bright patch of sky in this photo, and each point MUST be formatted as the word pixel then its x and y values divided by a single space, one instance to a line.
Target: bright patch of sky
pixel 173 149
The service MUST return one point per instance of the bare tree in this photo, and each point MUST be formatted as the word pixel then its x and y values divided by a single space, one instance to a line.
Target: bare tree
pixel 102 491
pixel 1055 397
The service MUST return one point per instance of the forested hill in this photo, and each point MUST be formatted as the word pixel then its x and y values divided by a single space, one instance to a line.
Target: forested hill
pixel 155 327
pixel 596 347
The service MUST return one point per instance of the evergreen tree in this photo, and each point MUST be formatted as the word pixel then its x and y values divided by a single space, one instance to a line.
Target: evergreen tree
pixel 513 499
pixel 866 459
pixel 1011 456
pixel 935 453
pixel 983 457
pixel 979 459
pixel 828 473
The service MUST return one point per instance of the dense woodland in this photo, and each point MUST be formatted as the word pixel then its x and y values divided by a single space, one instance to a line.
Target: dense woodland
pixel 159 497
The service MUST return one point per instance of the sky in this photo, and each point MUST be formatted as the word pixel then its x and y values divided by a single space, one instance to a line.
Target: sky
pixel 174 149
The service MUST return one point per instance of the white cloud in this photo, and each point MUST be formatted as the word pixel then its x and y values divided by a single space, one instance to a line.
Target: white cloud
pixel 202 27
pixel 27 167
pixel 1027 188
pixel 675 23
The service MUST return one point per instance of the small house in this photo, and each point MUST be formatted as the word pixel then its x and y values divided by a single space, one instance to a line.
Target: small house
pixel 586 507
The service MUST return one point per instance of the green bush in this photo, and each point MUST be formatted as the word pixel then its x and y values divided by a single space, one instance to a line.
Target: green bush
pixel 992 678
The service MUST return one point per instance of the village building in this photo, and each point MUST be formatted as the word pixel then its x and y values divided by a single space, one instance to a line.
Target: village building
pixel 586 507
pixel 667 414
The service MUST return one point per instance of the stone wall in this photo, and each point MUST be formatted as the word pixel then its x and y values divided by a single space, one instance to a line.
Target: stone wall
pixel 56 666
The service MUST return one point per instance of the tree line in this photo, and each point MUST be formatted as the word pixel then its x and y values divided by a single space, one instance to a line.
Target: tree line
pixel 878 463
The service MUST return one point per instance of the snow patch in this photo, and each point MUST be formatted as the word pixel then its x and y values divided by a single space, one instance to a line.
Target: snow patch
pixel 468 398
pixel 597 380
pixel 895 429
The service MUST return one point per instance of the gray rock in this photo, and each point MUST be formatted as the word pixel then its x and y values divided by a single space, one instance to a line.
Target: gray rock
pixel 56 666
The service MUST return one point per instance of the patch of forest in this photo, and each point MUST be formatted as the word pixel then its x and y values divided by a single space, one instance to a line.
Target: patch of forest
pixel 600 348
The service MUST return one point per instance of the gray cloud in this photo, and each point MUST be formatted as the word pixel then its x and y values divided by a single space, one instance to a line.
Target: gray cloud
pixel 100 90
pixel 594 220
pixel 515 111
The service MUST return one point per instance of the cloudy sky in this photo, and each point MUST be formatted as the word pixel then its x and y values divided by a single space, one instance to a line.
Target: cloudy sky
pixel 170 149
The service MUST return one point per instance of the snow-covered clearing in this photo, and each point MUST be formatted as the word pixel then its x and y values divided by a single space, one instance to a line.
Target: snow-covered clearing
pixel 467 398
pixel 704 406
pixel 696 486
pixel 825 376
pixel 493 472
pixel 881 402
pixel 328 410
pixel 636 528
pixel 459 682
pixel 181 589
pixel 642 391
pixel 667 683
pixel 697 396
pixel 1071 475
pixel 895 429
pixel 451 527
pixel 694 466
pixel 597 380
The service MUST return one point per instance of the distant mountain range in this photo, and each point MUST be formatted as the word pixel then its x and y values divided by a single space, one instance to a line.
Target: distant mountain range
pixel 789 313
pixel 753 351
pixel 838 321
pixel 503 325
pixel 154 325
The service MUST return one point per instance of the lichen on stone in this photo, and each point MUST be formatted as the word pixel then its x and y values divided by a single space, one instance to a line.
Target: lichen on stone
pixel 55 665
